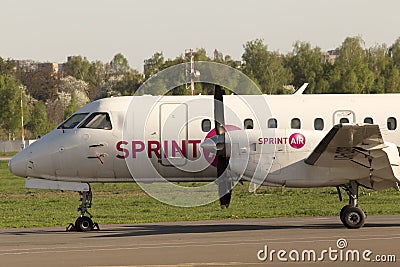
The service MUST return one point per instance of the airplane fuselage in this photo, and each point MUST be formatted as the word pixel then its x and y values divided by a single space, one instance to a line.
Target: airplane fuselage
pixel 151 136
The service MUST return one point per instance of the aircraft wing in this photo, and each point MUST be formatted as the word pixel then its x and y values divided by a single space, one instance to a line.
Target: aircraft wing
pixel 357 146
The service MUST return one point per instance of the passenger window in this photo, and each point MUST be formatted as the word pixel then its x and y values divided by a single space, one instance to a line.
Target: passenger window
pixel 319 124
pixel 344 120
pixel 97 121
pixel 72 121
pixel 391 123
pixel 206 125
pixel 272 123
pixel 248 124
pixel 295 123
pixel 369 120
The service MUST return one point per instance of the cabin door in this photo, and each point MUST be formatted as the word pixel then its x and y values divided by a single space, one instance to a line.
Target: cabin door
pixel 344 116
pixel 173 133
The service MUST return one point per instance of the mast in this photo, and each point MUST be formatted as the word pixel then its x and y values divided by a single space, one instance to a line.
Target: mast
pixel 22 121
pixel 193 73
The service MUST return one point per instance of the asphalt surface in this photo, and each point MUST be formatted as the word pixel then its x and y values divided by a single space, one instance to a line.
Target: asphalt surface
pixel 208 243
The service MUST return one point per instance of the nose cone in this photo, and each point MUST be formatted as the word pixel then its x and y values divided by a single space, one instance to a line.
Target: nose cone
pixel 213 144
pixel 209 145
pixel 17 165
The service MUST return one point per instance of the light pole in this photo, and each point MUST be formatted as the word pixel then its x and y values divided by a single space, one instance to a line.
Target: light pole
pixel 22 121
pixel 193 73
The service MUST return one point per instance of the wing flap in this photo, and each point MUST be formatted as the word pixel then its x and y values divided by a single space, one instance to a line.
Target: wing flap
pixel 345 142
pixel 357 146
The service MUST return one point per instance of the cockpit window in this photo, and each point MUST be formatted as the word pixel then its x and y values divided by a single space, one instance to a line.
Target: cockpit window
pixel 72 121
pixel 97 121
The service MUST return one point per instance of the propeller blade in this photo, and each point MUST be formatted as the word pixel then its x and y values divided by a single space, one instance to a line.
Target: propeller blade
pixel 218 144
pixel 219 110
pixel 224 182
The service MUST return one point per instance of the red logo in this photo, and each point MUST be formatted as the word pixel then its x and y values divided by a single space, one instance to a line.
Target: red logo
pixel 297 140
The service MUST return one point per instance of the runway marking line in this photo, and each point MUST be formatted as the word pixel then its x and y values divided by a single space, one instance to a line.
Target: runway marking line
pixel 186 264
pixel 186 244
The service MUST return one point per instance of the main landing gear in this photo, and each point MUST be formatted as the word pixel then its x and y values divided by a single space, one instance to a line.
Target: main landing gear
pixel 84 223
pixel 351 215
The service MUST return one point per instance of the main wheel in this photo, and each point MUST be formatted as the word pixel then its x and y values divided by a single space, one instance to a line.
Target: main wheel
pixel 353 217
pixel 342 211
pixel 83 224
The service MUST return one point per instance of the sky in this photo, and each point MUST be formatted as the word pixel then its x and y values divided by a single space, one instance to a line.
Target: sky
pixel 49 31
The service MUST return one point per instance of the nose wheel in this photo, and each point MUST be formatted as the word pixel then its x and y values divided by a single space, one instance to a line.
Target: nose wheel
pixel 84 223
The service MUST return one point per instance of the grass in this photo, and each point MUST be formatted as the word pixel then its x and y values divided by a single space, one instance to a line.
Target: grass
pixel 7 154
pixel 127 203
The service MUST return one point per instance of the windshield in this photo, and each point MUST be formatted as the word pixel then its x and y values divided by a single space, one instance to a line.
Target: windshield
pixel 98 120
pixel 72 121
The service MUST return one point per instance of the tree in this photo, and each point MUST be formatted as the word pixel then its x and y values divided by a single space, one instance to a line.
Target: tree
pixel 71 107
pixel 121 79
pixel 379 63
pixel 265 67
pixel 38 124
pixel 351 73
pixel 201 55
pixel 96 78
pixel 93 73
pixel 392 82
pixel 78 67
pixel 72 95
pixel 129 83
pixel 79 88
pixel 10 116
pixel 171 62
pixel 230 62
pixel 76 94
pixel 394 52
pixel 6 67
pixel 118 66
pixel 306 65
pixel 218 56
pixel 154 64
pixel 40 83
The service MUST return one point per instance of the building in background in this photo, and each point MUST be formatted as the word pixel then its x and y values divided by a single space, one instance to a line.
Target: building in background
pixel 330 56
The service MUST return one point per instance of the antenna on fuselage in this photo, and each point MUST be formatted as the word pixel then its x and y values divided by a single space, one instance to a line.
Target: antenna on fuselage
pixel 301 89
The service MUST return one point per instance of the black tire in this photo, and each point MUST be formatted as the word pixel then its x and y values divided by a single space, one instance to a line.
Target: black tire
pixel 342 211
pixel 353 217
pixel 83 224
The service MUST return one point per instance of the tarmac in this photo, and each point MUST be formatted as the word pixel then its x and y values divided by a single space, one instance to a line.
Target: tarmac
pixel 305 241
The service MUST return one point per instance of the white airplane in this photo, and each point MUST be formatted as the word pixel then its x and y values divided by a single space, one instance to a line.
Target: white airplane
pixel 298 141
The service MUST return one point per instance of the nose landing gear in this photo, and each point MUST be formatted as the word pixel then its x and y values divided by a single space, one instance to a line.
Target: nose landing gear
pixel 84 223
